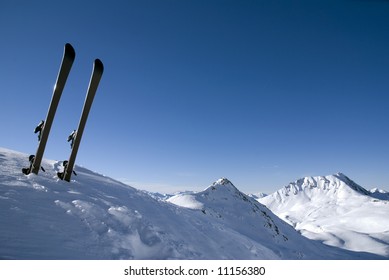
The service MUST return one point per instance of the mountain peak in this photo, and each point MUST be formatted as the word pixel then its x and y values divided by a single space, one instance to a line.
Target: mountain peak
pixel 335 210
pixel 352 184
pixel 321 189
pixel 223 182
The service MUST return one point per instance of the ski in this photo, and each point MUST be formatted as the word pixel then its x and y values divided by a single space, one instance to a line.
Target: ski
pixel 45 126
pixel 68 165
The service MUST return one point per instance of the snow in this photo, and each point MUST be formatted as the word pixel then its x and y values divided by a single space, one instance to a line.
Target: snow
pixel 335 210
pixel 96 217
pixel 380 194
pixel 186 200
pixel 257 195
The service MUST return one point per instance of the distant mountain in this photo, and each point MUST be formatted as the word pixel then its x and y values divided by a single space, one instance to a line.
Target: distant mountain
pixel 257 195
pixel 96 217
pixel 379 194
pixel 335 210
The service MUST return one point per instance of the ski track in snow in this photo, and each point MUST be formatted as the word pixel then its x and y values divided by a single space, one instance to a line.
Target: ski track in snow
pixel 96 217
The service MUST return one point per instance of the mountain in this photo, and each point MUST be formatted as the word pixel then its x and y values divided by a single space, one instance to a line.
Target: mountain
pixel 96 217
pixel 335 210
pixel 257 195
pixel 379 194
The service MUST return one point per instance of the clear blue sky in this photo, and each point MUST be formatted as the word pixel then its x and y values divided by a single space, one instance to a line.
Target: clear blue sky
pixel 260 92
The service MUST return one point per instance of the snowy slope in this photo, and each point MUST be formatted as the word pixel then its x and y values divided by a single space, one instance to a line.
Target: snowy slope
pixel 335 210
pixel 95 217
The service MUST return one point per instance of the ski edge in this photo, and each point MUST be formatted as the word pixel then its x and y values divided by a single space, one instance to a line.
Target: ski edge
pixel 97 72
pixel 68 58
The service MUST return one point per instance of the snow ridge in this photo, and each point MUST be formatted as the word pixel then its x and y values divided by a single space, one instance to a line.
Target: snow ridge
pixel 335 210
pixel 337 186
pixel 96 217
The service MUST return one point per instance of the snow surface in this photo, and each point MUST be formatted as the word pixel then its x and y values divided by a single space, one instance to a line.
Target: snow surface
pixel 257 195
pixel 336 211
pixel 96 217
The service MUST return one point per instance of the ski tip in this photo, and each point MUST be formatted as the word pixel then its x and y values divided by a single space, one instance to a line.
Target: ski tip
pixel 99 65
pixel 69 51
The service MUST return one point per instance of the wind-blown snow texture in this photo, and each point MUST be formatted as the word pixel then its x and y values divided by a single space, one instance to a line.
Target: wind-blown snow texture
pixel 95 217
pixel 335 210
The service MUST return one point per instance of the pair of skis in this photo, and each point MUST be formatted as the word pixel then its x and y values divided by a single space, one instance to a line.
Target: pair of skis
pixel 66 65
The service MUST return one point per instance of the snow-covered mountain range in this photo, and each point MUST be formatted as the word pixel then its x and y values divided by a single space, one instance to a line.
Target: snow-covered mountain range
pixel 336 211
pixel 96 217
